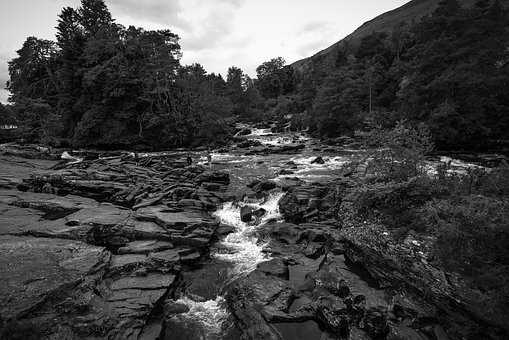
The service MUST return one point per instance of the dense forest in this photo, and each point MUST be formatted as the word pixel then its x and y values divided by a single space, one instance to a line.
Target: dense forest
pixel 103 85
pixel 450 71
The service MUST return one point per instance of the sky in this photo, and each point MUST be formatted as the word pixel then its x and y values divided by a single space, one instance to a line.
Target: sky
pixel 215 33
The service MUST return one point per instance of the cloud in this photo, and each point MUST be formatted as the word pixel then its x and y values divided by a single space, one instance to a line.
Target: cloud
pixel 314 27
pixel 168 12
pixel 213 26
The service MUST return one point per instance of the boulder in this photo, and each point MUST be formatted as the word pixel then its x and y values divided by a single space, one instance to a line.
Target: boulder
pixel 264 186
pixel 246 213
pixel 318 160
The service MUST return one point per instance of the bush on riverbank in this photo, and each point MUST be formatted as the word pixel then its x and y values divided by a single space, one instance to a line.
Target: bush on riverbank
pixel 464 217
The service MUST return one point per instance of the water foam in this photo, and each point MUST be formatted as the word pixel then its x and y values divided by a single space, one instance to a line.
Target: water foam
pixel 210 314
pixel 245 250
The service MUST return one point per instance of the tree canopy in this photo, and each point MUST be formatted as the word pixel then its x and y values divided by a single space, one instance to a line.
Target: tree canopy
pixel 104 85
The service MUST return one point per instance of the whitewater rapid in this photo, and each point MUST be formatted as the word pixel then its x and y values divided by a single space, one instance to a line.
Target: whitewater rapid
pixel 243 250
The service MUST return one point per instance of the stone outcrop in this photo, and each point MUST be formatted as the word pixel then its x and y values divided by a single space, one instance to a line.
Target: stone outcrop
pixel 93 249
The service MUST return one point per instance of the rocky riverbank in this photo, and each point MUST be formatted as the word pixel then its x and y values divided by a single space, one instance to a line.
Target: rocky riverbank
pixel 94 249
pixel 330 280
pixel 146 246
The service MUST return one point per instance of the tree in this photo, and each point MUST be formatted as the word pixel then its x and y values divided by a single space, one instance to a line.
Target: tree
pixel 234 82
pixel 274 78
pixel 94 16
pixel 71 41
pixel 336 108
pixel 30 72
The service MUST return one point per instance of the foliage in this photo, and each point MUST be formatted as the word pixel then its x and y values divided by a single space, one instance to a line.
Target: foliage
pixel 448 70
pixel 399 153
pixel 464 216
pixel 108 86
pixel 274 78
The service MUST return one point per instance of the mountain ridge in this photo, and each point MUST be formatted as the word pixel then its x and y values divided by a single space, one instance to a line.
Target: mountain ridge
pixel 386 22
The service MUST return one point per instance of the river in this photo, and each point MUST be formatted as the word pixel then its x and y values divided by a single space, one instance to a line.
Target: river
pixel 241 251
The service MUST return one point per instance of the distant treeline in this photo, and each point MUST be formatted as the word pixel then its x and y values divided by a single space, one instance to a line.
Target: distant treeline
pixel 449 71
pixel 103 85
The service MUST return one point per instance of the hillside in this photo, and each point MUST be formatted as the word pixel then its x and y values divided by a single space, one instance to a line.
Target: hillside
pixel 411 11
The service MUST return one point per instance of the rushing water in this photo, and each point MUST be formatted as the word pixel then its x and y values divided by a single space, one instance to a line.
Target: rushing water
pixel 241 251
pixel 245 250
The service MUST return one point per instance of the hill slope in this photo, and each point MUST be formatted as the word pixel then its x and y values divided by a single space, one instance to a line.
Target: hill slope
pixel 411 11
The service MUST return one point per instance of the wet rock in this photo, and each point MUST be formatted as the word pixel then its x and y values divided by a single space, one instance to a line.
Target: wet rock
pixel 249 143
pixel 244 132
pixel 304 203
pixel 318 160
pixel 280 149
pixel 286 172
pixel 263 186
pixel 213 177
pixel 144 247
pixel 246 213
pixel 118 296
pixel 243 298
pixel 172 308
pixel 133 229
pixel 184 227
pixel 212 186
pixel 259 213
pixel 253 183
pixel 224 229
pixel 275 267
pixel 287 233
pixel 127 263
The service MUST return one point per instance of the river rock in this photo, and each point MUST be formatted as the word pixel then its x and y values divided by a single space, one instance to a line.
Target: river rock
pixel 260 186
pixel 246 213
pixel 213 177
pixel 244 132
pixel 249 143
pixel 318 160
pixel 144 247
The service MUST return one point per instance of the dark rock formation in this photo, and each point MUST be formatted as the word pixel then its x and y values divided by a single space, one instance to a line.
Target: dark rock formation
pixel 93 249
pixel 318 160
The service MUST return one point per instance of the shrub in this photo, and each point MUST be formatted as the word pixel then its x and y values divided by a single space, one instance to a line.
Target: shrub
pixel 398 154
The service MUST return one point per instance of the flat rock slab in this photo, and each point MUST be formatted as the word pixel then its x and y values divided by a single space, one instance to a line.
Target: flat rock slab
pixel 14 169
pixel 33 269
pixel 151 281
pixel 166 217
pixel 24 211
pixel 143 230
pixel 145 247
pixel 46 215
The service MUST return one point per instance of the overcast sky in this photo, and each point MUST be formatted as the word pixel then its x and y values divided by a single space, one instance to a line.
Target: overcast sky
pixel 215 33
